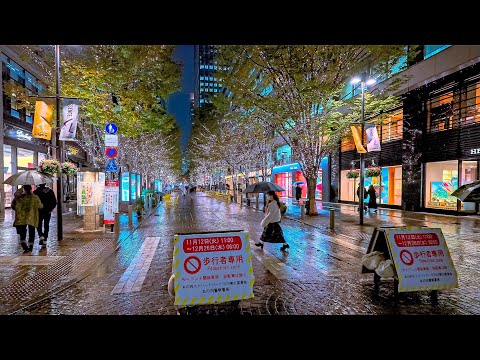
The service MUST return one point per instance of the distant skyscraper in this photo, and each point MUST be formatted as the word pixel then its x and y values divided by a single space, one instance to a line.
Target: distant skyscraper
pixel 192 105
pixel 207 75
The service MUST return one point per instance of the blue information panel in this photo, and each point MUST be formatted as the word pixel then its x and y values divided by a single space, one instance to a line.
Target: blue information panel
pixel 125 186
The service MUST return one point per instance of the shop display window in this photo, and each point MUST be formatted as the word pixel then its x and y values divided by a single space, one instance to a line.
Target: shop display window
pixel 441 180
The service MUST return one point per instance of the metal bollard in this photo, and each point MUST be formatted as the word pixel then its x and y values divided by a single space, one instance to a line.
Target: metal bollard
pixel 116 225
pixel 130 210
pixel 150 201
pixel 241 200
pixel 257 205
pixel 302 211
pixel 332 218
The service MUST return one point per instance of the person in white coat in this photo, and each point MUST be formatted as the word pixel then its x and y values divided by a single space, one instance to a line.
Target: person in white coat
pixel 272 231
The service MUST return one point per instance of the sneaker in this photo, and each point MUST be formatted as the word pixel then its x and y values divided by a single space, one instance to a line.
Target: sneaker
pixel 42 241
pixel 30 247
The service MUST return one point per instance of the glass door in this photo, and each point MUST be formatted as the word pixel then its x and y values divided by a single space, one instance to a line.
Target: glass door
pixel 468 174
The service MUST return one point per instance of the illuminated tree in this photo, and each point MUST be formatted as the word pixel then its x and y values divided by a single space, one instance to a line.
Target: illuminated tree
pixel 296 92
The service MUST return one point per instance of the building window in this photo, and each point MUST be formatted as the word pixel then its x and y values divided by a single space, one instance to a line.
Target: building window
pixel 440 112
pixel 441 179
pixel 470 105
pixel 29 81
pixel 25 159
pixel 41 156
pixel 431 50
pixel 201 78
pixel 392 127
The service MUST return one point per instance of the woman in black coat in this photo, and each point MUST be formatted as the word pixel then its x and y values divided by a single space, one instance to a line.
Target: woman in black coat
pixel 372 201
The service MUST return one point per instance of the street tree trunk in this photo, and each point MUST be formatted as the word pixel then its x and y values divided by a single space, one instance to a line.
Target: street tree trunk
pixel 311 195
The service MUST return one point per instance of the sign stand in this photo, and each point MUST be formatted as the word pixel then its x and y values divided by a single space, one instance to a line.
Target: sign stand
pixel 420 257
pixel 212 268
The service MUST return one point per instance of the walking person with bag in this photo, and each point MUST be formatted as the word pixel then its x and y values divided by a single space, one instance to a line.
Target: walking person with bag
pixel 49 201
pixel 26 215
pixel 372 201
pixel 272 231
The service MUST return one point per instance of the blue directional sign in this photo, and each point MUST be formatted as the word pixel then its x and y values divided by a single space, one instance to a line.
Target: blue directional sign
pixel 111 128
pixel 111 166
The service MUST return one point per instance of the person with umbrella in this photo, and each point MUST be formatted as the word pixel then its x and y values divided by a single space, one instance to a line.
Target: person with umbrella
pixel 26 208
pixel 272 232
pixel 49 201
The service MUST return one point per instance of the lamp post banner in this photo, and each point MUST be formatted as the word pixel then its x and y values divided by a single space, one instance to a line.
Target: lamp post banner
pixel 70 116
pixel 357 137
pixel 373 142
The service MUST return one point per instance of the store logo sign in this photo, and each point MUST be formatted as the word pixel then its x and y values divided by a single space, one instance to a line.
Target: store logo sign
pixel 475 151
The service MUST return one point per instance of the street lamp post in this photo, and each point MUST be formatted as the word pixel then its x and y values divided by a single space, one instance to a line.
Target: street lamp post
pixel 363 80
pixel 59 148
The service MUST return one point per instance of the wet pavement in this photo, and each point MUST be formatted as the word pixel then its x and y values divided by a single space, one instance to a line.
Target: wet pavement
pixel 319 274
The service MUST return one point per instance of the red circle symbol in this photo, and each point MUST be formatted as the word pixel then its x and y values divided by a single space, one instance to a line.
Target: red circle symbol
pixel 111 152
pixel 406 257
pixel 192 265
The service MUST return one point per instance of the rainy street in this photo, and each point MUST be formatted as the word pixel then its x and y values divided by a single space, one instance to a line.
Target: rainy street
pixel 319 274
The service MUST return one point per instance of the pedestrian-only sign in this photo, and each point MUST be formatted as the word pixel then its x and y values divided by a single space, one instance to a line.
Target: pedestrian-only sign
pixel 420 256
pixel 212 268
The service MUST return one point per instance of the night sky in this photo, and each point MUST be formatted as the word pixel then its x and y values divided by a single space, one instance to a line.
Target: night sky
pixel 178 103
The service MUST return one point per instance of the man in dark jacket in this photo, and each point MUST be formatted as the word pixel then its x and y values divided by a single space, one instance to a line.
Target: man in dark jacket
pixel 47 197
pixel 298 192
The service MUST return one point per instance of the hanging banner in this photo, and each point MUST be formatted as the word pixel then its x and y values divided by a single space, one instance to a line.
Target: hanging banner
pixel 212 268
pixel 357 137
pixel 70 115
pixel 373 142
pixel 42 120
pixel 112 194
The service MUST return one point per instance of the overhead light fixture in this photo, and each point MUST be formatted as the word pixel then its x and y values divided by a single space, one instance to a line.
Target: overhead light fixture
pixel 355 80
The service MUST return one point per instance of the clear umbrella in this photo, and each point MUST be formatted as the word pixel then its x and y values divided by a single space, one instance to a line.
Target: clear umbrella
pixel 28 177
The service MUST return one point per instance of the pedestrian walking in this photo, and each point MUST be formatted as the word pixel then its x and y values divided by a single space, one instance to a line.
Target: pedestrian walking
pixel 26 215
pixel 298 192
pixel 272 231
pixel 372 201
pixel 365 195
pixel 49 201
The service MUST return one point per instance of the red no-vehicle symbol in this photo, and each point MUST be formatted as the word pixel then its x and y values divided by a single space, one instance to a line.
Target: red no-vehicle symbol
pixel 192 265
pixel 406 257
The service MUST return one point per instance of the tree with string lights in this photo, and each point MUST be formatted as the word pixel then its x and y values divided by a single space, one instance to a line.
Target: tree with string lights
pixel 295 91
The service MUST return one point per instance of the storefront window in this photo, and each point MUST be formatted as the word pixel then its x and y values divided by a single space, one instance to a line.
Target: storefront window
pixel 285 181
pixel 469 175
pixel 348 187
pixel 25 159
pixel 390 188
pixel 7 169
pixel 441 179
pixel 392 127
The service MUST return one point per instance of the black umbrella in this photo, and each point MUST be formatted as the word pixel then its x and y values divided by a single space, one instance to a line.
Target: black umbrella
pixel 469 192
pixel 263 187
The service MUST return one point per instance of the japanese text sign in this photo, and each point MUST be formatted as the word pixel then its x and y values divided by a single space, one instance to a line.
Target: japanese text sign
pixel 421 258
pixel 112 194
pixel 212 268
